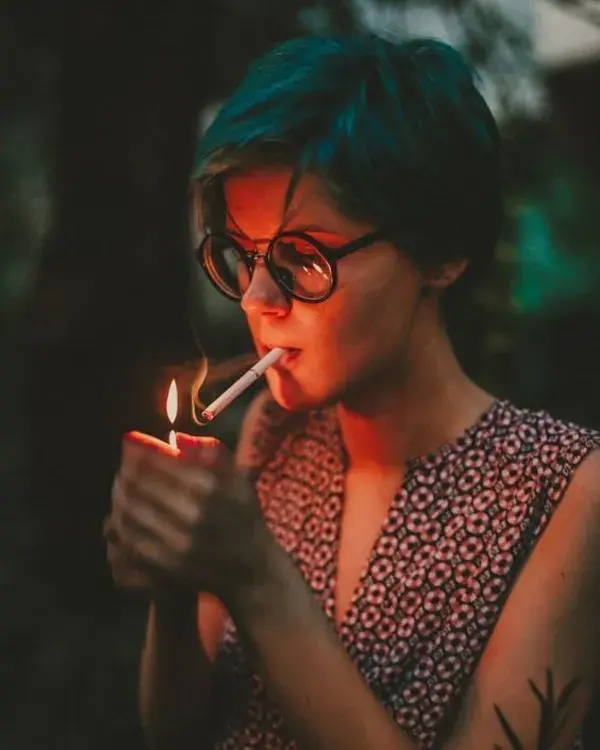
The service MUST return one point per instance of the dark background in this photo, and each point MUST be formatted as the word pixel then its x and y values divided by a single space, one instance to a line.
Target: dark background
pixel 101 106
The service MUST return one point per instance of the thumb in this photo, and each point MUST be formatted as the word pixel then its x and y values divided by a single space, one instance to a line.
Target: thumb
pixel 204 449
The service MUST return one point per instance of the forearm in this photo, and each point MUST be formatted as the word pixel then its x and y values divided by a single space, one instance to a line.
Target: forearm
pixel 174 676
pixel 308 671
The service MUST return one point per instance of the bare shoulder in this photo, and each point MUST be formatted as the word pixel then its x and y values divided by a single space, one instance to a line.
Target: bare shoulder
pixel 585 484
pixel 573 535
pixel 576 521
pixel 547 631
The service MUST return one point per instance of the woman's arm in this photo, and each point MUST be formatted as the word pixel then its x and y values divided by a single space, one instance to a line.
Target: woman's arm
pixel 182 637
pixel 548 629
pixel 174 675
pixel 550 622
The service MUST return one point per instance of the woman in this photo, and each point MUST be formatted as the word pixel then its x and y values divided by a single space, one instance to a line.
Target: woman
pixel 397 559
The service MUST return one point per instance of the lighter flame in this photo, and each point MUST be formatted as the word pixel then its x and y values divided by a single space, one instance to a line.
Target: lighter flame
pixel 172 408
pixel 172 402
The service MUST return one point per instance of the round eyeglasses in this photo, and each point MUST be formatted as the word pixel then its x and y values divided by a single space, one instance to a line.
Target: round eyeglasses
pixel 302 267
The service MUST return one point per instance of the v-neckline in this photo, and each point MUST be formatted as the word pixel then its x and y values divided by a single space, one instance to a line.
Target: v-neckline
pixel 411 466
pixel 330 600
pixel 365 568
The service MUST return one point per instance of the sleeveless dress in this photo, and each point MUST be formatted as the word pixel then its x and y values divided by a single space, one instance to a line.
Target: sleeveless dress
pixel 456 535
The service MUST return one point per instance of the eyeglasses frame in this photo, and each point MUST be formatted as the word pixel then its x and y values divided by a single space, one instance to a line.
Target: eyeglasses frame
pixel 330 254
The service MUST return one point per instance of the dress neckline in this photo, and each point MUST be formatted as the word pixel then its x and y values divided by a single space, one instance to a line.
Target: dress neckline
pixel 455 445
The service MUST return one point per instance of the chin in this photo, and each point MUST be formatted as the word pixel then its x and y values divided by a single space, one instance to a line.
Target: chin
pixel 292 395
pixel 295 396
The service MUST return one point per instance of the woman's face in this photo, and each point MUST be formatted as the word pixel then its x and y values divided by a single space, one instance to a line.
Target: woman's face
pixel 355 340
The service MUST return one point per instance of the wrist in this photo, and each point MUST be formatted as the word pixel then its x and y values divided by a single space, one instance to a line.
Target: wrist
pixel 263 592
pixel 175 599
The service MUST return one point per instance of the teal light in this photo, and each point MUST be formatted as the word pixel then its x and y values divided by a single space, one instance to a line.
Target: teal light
pixel 546 276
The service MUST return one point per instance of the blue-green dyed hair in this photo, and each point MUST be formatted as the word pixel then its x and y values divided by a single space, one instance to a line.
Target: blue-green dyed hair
pixel 398 132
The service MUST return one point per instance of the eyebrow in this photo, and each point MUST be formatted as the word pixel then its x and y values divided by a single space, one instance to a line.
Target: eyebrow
pixel 289 214
pixel 305 229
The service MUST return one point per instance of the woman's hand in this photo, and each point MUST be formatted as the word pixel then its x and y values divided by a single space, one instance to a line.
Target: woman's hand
pixel 127 572
pixel 189 518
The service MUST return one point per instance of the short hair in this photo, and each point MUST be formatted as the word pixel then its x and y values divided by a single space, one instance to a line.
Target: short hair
pixel 398 132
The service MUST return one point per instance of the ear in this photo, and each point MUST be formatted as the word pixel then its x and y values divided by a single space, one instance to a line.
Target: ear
pixel 445 275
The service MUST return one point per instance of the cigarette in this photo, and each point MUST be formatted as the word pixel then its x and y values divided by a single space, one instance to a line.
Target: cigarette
pixel 240 385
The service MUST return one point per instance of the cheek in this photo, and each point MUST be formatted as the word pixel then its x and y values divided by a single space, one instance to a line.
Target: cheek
pixel 373 318
pixel 352 337
pixel 356 334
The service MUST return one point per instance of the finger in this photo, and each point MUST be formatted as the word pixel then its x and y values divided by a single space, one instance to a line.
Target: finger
pixel 210 453
pixel 123 561
pixel 207 451
pixel 125 574
pixel 119 559
pixel 125 564
pixel 108 530
pixel 185 475
pixel 157 555
pixel 114 526
pixel 177 488
pixel 137 445
pixel 141 518
pixel 178 495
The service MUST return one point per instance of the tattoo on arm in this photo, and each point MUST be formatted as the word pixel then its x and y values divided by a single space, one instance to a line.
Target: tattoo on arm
pixel 553 715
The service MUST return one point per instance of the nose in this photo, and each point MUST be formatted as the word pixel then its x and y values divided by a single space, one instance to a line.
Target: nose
pixel 263 296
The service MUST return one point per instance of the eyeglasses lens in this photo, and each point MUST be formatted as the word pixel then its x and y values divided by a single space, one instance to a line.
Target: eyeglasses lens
pixel 299 267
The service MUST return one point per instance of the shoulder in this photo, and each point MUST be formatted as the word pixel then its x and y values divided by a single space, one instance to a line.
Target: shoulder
pixel 263 427
pixel 561 577
pixel 583 493
pixel 538 425
pixel 547 629
pixel 564 565
pixel 553 447
pixel 565 458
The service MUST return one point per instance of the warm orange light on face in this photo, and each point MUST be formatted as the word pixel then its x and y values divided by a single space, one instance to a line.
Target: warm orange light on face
pixel 172 407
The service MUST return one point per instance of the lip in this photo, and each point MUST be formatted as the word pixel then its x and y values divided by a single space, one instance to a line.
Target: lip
pixel 287 358
pixel 266 348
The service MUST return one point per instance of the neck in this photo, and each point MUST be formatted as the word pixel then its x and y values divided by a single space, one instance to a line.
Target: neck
pixel 411 414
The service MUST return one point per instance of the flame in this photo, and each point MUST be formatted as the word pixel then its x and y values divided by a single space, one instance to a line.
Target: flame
pixel 172 408
pixel 172 402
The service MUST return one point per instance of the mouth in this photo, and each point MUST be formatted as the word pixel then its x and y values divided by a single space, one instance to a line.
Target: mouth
pixel 287 359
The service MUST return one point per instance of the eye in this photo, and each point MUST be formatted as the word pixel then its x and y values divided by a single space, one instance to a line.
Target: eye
pixel 241 243
pixel 301 267
pixel 290 248
pixel 297 252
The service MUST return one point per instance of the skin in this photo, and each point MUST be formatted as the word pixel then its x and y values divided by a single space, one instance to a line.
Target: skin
pixel 195 524
pixel 399 393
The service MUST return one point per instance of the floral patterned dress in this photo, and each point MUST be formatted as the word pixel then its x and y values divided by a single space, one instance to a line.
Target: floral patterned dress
pixel 457 533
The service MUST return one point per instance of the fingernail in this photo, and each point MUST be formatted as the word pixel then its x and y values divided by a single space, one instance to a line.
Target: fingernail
pixel 201 447
pixel 211 448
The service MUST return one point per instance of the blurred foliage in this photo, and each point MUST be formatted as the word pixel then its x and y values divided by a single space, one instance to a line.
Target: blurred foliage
pixel 587 10
pixel 102 104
